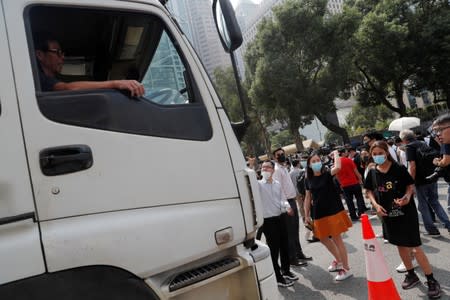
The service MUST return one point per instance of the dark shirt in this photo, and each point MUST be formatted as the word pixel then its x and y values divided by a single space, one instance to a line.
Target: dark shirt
pixel 445 149
pixel 325 195
pixel 47 83
pixel 411 155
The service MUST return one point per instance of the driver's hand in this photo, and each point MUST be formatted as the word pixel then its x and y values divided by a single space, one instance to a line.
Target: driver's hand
pixel 136 88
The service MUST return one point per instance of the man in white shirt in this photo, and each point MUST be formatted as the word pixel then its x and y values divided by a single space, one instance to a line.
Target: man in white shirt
pixel 274 204
pixel 296 255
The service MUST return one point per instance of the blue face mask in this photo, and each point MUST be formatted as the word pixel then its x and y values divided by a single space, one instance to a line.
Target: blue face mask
pixel 303 163
pixel 317 166
pixel 379 159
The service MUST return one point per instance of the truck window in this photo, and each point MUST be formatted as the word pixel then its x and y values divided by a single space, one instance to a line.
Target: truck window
pixel 98 45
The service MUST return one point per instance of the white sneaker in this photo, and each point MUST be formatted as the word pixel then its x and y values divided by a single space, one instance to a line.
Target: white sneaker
pixel 307 234
pixel 335 266
pixel 402 269
pixel 343 274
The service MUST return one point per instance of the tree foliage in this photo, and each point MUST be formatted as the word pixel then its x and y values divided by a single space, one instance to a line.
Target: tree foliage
pixel 363 118
pixel 297 65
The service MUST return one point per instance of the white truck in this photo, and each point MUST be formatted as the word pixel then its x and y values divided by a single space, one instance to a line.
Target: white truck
pixel 104 196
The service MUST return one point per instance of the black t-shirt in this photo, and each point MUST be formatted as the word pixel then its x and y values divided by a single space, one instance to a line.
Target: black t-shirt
pixel 411 155
pixel 325 196
pixel 389 186
pixel 47 83
pixel 445 149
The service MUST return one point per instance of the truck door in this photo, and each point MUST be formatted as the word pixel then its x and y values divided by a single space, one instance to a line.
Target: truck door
pixel 20 246
pixel 143 184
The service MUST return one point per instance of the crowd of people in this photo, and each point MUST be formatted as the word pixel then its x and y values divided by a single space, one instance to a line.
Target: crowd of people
pixel 384 176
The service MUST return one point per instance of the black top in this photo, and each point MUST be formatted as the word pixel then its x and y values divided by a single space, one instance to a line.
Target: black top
pixel 325 196
pixel 402 225
pixel 47 83
pixel 445 149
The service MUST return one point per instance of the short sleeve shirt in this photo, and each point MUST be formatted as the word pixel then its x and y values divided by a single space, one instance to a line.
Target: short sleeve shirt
pixel 47 83
pixel 346 174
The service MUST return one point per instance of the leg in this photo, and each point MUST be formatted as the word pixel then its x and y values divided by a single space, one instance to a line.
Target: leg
pixel 421 192
pixel 259 233
pixel 448 198
pixel 348 195
pixel 359 199
pixel 300 203
pixel 342 250
pixel 422 259
pixel 433 200
pixel 405 255
pixel 271 232
pixel 331 246
pixel 284 243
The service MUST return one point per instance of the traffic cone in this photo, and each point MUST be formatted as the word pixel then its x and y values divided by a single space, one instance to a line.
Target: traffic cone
pixel 379 282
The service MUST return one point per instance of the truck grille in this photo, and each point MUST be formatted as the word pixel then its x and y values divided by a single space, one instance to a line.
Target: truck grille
pixel 201 273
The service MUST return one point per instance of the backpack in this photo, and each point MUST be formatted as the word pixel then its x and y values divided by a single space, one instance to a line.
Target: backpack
pixel 424 161
pixel 301 183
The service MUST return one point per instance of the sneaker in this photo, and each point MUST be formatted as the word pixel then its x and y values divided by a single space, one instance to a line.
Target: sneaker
pixel 402 269
pixel 343 274
pixel 410 281
pixel 284 283
pixel 289 275
pixel 302 256
pixel 298 263
pixel 434 233
pixel 434 289
pixel 335 266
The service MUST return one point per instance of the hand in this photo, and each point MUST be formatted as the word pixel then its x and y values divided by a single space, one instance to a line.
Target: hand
pixel 402 201
pixel 290 212
pixel 381 211
pixel 436 161
pixel 136 89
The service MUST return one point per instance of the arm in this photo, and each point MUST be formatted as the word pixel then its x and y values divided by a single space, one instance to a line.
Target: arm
pixel 443 162
pixel 360 179
pixel 380 210
pixel 307 206
pixel 412 169
pixel 407 197
pixel 337 163
pixel 133 86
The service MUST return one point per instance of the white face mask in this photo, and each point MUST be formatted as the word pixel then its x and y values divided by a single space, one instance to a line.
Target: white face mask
pixel 266 175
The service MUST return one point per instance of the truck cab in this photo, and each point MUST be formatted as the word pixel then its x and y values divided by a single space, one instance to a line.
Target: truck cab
pixel 108 196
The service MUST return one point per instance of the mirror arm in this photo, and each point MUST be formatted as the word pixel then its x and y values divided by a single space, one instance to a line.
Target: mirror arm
pixel 239 128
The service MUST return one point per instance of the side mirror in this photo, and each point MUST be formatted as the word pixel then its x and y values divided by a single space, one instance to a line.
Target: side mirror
pixel 227 25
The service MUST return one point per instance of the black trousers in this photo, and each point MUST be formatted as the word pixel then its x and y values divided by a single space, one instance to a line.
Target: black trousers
pixel 273 229
pixel 293 230
pixel 356 191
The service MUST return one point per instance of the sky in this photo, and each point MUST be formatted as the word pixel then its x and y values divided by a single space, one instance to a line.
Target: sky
pixel 235 2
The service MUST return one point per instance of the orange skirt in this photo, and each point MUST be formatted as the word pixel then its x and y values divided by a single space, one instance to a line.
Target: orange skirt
pixel 332 225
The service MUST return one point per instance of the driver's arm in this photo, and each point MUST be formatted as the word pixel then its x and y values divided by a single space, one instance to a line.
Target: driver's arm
pixel 136 89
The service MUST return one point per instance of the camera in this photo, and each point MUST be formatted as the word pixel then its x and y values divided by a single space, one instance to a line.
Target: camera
pixel 439 172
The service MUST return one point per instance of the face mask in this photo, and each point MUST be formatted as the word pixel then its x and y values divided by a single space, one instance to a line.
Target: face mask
pixel 379 159
pixel 282 158
pixel 317 166
pixel 303 163
pixel 266 175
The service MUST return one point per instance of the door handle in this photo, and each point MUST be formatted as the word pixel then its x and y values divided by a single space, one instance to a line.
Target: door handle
pixel 65 159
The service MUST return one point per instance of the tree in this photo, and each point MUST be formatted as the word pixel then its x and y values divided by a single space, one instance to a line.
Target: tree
pixel 363 118
pixel 256 139
pixel 297 66
pixel 385 51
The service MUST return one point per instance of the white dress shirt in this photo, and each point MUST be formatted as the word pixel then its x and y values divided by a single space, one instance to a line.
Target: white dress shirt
pixel 282 176
pixel 273 200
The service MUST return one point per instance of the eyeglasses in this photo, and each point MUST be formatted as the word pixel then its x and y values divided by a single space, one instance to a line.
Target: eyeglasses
pixel 58 52
pixel 439 130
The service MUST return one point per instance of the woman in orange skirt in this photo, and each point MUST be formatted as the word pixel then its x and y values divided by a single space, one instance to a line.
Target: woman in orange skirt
pixel 323 203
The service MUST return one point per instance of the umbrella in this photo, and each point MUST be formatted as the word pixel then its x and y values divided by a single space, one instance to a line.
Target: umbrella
pixel 404 123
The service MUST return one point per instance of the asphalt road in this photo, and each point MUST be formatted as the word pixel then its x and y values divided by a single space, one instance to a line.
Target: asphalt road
pixel 315 282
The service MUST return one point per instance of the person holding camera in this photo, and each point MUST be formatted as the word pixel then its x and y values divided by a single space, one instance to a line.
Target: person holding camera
pixel 426 190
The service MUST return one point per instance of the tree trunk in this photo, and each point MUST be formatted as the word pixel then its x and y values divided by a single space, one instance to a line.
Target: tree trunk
pixel 264 135
pixel 399 97
pixel 298 140
pixel 335 128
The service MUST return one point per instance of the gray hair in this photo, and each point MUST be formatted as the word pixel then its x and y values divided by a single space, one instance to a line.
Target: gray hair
pixel 407 135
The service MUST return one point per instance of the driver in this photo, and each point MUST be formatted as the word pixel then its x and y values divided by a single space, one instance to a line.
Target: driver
pixel 51 60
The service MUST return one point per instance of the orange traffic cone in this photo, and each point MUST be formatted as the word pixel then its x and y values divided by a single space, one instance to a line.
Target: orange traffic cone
pixel 380 283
